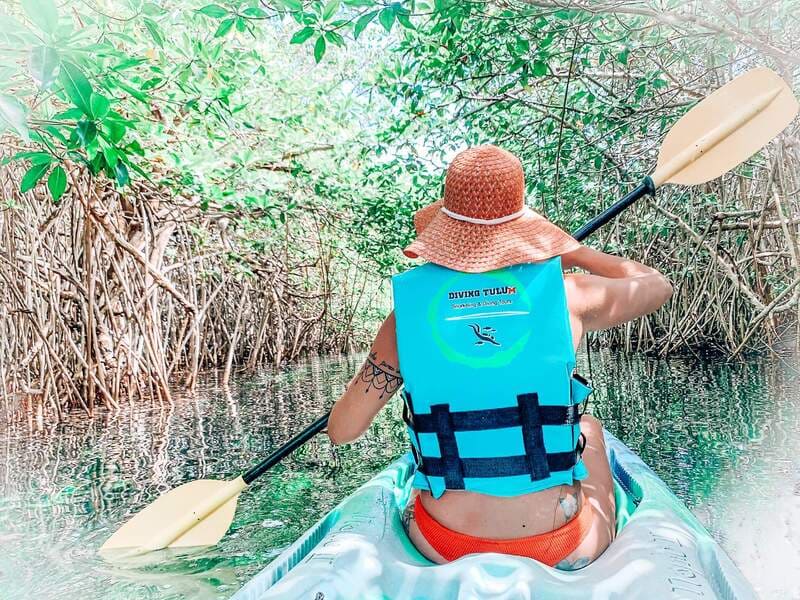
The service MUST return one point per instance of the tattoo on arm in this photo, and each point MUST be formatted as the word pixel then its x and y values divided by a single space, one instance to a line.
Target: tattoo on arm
pixel 382 376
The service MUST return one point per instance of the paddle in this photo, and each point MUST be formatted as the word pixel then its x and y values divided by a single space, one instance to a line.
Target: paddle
pixel 726 128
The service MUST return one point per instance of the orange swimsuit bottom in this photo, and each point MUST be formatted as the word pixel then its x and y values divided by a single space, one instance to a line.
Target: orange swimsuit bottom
pixel 549 548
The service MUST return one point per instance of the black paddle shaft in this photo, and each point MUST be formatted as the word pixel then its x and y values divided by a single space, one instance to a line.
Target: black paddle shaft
pixel 647 187
pixel 289 447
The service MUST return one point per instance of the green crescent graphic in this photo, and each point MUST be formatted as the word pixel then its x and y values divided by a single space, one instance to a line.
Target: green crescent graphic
pixel 500 356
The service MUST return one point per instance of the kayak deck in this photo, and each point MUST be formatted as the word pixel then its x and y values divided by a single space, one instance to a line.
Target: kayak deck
pixel 360 550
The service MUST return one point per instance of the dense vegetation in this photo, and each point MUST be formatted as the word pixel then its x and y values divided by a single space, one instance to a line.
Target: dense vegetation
pixel 189 185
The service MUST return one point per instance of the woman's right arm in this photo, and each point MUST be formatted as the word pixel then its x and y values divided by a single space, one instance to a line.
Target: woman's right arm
pixel 615 290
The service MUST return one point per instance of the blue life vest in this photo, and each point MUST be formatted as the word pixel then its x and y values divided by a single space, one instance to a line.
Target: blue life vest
pixel 487 359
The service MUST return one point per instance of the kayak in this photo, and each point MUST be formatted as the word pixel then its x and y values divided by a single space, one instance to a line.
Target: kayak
pixel 360 550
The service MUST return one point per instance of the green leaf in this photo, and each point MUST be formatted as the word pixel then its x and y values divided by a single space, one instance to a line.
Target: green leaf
pixel 215 11
pixel 151 9
pixel 403 19
pixel 241 24
pixel 293 5
pixel 57 183
pixel 224 27
pixel 86 131
pixel 43 61
pixel 539 68
pixel 99 105
pixel 43 13
pixel 360 2
pixel 302 35
pixel 116 130
pixel 96 164
pixel 386 17
pixel 32 177
pixel 36 158
pixel 122 36
pixel 121 172
pixel 13 115
pixel 152 27
pixel 135 147
pixel 254 12
pixel 76 86
pixel 138 94
pixel 41 158
pixel 151 83
pixel 334 38
pixel 622 57
pixel 319 49
pixel 129 63
pixel 330 9
pixel 112 114
pixel 363 21
pixel 111 156
pixel 54 131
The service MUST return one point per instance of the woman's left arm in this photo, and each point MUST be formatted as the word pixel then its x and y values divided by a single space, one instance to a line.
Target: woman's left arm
pixel 370 390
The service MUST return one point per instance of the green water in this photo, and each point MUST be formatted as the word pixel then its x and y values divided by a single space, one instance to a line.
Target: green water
pixel 721 435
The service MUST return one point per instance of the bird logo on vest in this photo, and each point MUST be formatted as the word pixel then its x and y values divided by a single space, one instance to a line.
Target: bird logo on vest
pixel 485 335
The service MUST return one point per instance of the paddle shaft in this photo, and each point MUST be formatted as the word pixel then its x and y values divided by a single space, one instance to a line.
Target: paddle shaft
pixel 289 447
pixel 646 187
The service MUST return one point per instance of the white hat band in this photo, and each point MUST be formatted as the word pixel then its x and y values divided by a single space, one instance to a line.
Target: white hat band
pixel 497 221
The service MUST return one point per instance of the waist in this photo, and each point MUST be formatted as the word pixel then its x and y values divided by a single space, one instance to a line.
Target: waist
pixel 490 516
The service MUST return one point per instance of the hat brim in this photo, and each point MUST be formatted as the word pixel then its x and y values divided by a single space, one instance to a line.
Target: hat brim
pixel 476 248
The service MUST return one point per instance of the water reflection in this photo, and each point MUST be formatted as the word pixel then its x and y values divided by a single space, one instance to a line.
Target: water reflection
pixel 714 432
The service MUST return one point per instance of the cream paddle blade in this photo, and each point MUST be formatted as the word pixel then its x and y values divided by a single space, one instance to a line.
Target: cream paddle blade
pixel 726 128
pixel 197 513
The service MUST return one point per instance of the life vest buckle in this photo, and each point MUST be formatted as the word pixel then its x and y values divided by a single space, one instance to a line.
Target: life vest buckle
pixel 580 390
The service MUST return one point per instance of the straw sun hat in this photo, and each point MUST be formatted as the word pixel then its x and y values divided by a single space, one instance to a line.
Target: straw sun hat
pixel 482 224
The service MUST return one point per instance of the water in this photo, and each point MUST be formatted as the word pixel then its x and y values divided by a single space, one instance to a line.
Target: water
pixel 721 435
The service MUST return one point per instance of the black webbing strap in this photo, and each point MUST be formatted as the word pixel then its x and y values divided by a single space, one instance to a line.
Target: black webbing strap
pixel 493 418
pixel 451 468
pixel 532 436
pixel 504 466
pixel 528 415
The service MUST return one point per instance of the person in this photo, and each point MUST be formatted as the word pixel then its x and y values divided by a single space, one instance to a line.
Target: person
pixel 483 340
